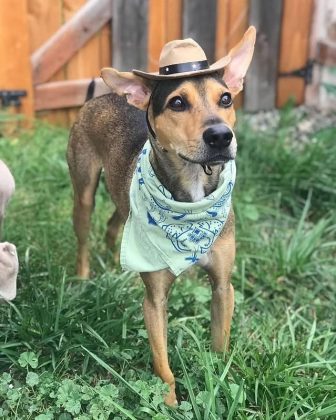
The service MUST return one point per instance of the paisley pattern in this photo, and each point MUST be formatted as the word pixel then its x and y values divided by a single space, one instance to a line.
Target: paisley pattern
pixel 163 233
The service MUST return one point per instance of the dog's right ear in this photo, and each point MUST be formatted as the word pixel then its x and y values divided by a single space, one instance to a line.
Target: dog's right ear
pixel 136 89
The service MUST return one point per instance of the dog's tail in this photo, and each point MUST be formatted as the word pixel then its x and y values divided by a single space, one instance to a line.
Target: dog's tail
pixel 90 90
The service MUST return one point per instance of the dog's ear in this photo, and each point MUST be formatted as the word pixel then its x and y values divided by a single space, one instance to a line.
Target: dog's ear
pixel 136 89
pixel 241 56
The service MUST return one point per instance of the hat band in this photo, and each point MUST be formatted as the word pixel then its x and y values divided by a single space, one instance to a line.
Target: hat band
pixel 184 67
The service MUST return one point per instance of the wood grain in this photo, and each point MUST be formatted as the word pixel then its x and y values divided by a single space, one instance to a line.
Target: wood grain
pixel 55 52
pixel 261 79
pixel 45 18
pixel 199 23
pixel 65 94
pixel 129 34
pixel 164 24
pixel 294 49
pixel 15 70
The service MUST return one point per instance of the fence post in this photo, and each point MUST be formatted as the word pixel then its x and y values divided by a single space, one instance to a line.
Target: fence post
pixel 15 68
pixel 261 79
pixel 129 34
pixel 294 48
pixel 199 23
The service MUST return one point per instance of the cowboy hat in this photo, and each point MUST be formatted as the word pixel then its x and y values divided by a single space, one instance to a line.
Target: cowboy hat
pixel 183 57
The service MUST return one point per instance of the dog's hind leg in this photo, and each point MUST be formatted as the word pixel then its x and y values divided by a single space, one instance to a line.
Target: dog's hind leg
pixel 113 227
pixel 155 312
pixel 85 172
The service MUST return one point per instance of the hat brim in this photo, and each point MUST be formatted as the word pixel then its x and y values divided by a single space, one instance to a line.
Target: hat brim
pixel 218 65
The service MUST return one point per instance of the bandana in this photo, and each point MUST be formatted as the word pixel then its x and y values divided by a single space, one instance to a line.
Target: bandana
pixel 161 232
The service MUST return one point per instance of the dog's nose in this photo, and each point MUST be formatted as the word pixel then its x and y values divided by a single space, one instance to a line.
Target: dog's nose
pixel 218 136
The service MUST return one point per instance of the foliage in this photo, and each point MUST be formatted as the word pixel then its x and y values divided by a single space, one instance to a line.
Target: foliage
pixel 74 349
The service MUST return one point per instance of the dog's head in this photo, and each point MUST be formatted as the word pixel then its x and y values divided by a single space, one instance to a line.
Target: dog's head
pixel 192 117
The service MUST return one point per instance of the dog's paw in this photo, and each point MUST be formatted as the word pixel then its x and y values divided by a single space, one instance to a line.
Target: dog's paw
pixel 9 266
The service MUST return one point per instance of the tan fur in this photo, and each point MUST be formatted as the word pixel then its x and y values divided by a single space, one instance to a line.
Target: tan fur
pixel 109 135
pixel 175 130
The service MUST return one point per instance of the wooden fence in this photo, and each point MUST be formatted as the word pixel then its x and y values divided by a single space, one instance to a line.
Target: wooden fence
pixel 52 49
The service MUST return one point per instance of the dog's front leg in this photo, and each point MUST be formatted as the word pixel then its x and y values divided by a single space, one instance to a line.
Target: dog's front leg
pixel 155 312
pixel 219 267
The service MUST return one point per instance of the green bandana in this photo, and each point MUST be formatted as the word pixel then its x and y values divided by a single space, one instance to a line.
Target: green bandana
pixel 163 233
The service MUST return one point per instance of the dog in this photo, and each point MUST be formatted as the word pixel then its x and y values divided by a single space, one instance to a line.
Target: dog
pixel 8 256
pixel 164 140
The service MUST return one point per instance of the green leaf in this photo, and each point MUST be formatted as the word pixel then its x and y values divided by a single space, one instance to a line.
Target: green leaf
pixel 47 416
pixel 28 358
pixel 5 378
pixel 32 379
pixel 185 406
pixel 235 389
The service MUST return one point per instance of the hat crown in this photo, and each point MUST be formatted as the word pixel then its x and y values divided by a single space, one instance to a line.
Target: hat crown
pixel 181 51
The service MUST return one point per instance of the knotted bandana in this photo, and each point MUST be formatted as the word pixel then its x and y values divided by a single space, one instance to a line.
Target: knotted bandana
pixel 161 232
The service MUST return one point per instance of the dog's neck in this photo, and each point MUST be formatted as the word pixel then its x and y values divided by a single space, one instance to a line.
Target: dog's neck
pixel 186 181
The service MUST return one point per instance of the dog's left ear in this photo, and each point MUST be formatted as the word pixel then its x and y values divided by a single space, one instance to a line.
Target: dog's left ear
pixel 241 56
pixel 136 89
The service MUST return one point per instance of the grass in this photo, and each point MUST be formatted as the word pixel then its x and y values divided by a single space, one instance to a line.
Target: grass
pixel 73 349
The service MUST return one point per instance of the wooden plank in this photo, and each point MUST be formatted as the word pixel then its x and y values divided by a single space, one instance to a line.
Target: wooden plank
pixel 238 21
pixel 261 80
pixel 294 48
pixel 156 32
pixel 45 18
pixel 164 24
pixel 52 55
pixel 222 29
pixel 105 46
pixel 66 94
pixel 15 70
pixel 173 20
pixel 129 34
pixel 237 25
pixel 86 61
pixel 199 23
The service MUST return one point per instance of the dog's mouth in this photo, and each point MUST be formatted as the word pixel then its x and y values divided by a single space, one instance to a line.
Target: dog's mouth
pixel 213 161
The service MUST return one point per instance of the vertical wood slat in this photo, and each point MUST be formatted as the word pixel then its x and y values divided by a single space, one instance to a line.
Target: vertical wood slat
pixel 199 23
pixel 238 20
pixel 261 80
pixel 231 23
pixel 222 28
pixel 173 19
pixel 294 48
pixel 156 31
pixel 69 38
pixel 164 24
pixel 129 34
pixel 45 18
pixel 15 69
pixel 86 62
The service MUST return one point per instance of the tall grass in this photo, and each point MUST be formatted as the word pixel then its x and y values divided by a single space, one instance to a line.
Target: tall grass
pixel 73 349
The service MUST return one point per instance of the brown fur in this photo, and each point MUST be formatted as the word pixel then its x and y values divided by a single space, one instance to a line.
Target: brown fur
pixel 109 135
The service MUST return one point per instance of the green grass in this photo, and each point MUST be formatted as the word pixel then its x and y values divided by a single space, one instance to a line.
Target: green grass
pixel 74 349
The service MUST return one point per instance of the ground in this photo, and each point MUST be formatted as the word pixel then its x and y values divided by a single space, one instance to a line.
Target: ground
pixel 78 349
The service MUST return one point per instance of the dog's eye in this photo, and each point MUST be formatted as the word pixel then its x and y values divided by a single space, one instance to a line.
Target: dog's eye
pixel 226 100
pixel 177 103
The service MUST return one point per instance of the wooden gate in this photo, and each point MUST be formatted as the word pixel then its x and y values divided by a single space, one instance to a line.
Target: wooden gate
pixel 52 49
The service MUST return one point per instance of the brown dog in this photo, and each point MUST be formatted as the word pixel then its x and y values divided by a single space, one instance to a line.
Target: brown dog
pixel 190 119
